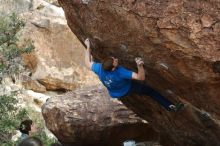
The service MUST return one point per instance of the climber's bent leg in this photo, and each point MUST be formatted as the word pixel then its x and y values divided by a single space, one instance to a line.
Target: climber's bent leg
pixel 142 89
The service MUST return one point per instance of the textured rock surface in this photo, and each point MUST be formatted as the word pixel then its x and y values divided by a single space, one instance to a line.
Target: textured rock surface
pixel 58 61
pixel 58 52
pixel 56 84
pixel 179 41
pixel 18 6
pixel 28 83
pixel 89 117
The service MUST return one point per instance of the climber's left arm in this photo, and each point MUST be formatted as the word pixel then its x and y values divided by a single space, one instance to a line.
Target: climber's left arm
pixel 88 56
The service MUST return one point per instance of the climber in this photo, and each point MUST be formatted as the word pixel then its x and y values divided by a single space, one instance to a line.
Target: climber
pixel 121 82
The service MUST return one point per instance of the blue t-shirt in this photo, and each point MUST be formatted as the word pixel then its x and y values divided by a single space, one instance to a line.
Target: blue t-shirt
pixel 118 82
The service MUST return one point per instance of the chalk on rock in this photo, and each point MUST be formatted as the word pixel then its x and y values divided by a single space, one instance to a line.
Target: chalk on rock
pixel 164 66
pixel 169 91
pixel 85 2
pixel 124 47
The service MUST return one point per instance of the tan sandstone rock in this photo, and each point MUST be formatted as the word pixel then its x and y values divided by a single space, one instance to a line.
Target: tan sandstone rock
pixel 58 58
pixel 30 84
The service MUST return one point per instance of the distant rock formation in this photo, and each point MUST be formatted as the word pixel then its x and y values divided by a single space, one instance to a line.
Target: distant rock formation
pixel 58 60
pixel 179 42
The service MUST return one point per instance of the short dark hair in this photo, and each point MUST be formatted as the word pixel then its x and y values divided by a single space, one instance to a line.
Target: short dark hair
pixel 25 126
pixel 31 141
pixel 107 64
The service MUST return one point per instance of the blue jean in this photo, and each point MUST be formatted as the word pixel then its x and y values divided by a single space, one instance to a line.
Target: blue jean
pixel 141 89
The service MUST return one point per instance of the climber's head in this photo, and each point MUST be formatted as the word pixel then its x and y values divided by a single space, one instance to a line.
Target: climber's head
pixel 110 63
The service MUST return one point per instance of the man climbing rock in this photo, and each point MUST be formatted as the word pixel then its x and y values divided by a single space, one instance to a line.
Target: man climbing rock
pixel 121 82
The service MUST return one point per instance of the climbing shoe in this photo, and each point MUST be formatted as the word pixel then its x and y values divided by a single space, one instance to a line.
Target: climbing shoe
pixel 176 107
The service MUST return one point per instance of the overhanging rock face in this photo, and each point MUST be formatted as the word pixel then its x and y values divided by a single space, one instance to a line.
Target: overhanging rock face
pixel 179 42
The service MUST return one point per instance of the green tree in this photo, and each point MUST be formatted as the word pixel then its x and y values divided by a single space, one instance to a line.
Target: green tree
pixel 10 64
pixel 10 118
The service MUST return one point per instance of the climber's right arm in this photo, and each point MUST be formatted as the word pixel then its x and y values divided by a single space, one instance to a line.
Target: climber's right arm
pixel 141 72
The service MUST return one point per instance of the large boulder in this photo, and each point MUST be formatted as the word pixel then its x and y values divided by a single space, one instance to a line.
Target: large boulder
pixel 90 117
pixel 179 42
pixel 59 53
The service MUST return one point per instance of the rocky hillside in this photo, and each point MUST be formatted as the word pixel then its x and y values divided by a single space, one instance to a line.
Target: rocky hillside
pixel 179 42
pixel 57 63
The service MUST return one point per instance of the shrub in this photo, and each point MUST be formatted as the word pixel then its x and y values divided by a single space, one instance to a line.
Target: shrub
pixel 10 118
pixel 11 64
pixel 10 51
